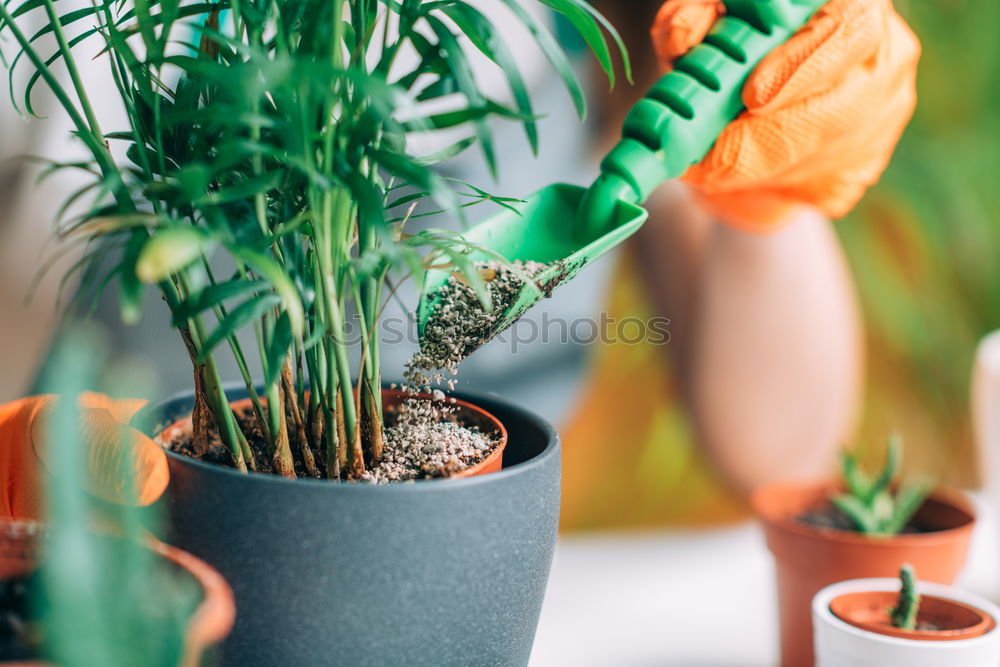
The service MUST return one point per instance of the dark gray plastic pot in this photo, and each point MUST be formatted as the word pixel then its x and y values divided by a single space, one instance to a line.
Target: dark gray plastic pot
pixel 448 572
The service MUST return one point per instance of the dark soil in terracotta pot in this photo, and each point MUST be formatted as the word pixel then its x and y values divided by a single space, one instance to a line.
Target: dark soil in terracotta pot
pixel 18 624
pixel 827 516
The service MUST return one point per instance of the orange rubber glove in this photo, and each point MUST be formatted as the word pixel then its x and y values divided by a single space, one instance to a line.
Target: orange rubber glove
pixel 115 451
pixel 824 111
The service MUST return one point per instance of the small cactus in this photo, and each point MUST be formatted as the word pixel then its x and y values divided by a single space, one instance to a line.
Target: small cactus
pixel 870 503
pixel 904 614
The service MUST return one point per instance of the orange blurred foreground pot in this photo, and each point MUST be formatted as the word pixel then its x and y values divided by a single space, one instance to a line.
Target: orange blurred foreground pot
pixel 209 624
pixel 809 559
pixel 470 415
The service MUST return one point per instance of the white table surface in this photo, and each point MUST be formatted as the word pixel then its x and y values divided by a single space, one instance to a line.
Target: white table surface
pixel 657 599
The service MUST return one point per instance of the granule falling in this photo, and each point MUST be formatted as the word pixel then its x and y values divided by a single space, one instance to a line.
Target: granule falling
pixel 458 324
pixel 428 439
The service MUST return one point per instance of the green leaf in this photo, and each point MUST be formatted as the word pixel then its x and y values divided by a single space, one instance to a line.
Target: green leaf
pixel 406 199
pixel 465 266
pixel 458 117
pixel 466 81
pixel 245 313
pixel 106 225
pixel 481 33
pixel 261 184
pixel 588 22
pixel 446 153
pixel 554 53
pixel 856 511
pixel 416 174
pixel 856 482
pixel 283 285
pixel 132 291
pixel 215 295
pixel 892 460
pixel 277 350
pixel 170 251
pixel 909 499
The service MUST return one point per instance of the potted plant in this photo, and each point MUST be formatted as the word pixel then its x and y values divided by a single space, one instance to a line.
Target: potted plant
pixel 90 586
pixel 182 609
pixel 272 138
pixel 859 527
pixel 869 623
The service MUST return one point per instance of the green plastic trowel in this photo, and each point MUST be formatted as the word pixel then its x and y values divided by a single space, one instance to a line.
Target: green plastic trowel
pixel 670 129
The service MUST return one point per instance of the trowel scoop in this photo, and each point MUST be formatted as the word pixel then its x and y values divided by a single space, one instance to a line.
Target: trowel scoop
pixel 566 226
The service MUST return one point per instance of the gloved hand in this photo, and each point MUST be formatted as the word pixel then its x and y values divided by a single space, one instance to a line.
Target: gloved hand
pixel 115 453
pixel 824 111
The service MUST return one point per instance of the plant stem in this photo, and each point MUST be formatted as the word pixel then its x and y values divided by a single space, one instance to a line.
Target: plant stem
pixel 292 409
pixel 283 462
pixel 226 421
pixel 219 403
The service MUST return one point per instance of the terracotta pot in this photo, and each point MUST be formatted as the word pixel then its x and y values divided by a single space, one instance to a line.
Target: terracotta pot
pixel 213 618
pixel 810 558
pixel 852 628
pixel 391 400
pixel 471 415
pixel 209 624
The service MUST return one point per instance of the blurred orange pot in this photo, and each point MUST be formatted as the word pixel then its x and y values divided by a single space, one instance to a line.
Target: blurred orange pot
pixel 209 624
pixel 809 558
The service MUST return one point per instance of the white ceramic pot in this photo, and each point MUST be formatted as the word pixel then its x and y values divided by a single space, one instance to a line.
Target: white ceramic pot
pixel 840 644
pixel 982 573
pixel 986 412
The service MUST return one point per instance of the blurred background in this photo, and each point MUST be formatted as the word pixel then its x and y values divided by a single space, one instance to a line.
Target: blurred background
pixel 923 246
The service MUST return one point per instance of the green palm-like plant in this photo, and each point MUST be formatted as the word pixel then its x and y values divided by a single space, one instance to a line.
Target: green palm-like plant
pixel 276 133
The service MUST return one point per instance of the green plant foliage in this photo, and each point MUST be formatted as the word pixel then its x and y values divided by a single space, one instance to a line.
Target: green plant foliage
pixel 870 503
pixel 277 133
pixel 904 614
pixel 104 600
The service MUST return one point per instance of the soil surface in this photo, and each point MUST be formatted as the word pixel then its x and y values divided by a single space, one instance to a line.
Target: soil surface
pixel 18 626
pixel 827 516
pixel 423 440
pixel 217 453
pixel 930 627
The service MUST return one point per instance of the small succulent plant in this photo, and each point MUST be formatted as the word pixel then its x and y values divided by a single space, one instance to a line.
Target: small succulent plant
pixel 904 614
pixel 870 503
